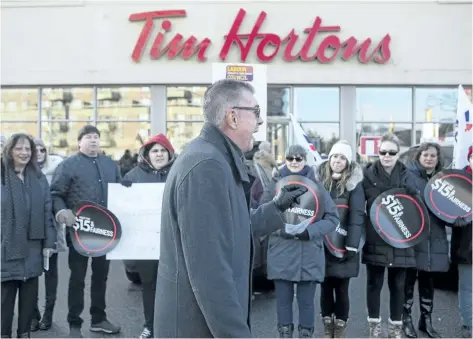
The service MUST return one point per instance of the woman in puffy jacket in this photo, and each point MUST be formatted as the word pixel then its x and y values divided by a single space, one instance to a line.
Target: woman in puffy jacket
pixel 382 175
pixel 431 254
pixel 342 178
pixel 299 259
pixel 156 157
pixel 48 164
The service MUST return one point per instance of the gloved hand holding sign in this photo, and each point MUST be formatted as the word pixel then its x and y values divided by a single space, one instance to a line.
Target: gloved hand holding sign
pixel 288 196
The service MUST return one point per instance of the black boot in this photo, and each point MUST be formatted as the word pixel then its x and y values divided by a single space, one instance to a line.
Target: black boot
pixel 47 319
pixel 305 332
pixel 426 296
pixel 407 325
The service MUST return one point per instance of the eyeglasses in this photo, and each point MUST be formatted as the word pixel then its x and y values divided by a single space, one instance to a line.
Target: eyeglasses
pixel 291 159
pixel 256 109
pixel 391 153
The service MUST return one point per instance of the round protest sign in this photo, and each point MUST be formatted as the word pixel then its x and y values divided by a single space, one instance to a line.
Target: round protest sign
pixel 401 220
pixel 335 241
pixel 97 230
pixel 311 202
pixel 448 195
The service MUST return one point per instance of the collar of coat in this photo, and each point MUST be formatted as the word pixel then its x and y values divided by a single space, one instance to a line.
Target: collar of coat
pixel 231 151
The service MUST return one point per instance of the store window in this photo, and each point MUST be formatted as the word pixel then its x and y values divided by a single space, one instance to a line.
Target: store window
pixel 67 104
pixel 19 104
pixel 9 128
pixel 278 101
pixel 118 136
pixel 369 134
pixel 383 104
pixel 180 133
pixel 318 104
pixel 322 136
pixel 124 103
pixel 436 104
pixel 185 103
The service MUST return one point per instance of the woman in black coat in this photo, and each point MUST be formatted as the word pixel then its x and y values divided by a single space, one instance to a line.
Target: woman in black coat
pixel 385 174
pixel 27 229
pixel 431 254
pixel 343 180
pixel 156 158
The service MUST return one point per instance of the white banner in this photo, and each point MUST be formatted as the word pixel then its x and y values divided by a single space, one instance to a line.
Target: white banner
pixel 301 138
pixel 256 75
pixel 463 130
pixel 138 208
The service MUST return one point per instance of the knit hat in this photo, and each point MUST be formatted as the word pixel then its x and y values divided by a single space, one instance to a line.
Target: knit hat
pixel 342 147
pixel 87 129
pixel 470 150
pixel 265 146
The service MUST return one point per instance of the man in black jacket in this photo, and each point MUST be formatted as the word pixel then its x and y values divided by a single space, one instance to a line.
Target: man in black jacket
pixel 85 176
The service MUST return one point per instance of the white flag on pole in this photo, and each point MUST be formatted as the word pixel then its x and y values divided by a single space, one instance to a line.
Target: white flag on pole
pixel 301 138
pixel 463 130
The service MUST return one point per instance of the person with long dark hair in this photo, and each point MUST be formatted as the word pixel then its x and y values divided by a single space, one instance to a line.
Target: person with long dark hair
pixel 382 175
pixel 431 254
pixel 342 178
pixel 156 158
pixel 28 233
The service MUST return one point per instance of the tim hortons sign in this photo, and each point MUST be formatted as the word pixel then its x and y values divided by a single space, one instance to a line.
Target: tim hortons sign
pixel 268 46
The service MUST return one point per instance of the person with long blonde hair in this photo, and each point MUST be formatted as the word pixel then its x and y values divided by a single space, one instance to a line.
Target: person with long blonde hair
pixel 342 178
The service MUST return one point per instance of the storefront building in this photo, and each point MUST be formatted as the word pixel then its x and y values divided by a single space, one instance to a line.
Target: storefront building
pixel 350 70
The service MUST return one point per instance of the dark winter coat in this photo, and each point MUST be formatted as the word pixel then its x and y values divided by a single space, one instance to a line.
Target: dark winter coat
pixel 81 177
pixel 204 279
pixel 460 248
pixel 376 181
pixel 432 253
pixel 31 265
pixel 355 195
pixel 300 260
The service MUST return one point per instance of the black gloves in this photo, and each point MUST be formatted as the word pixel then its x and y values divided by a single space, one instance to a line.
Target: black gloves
pixel 302 236
pixel 460 222
pixel 126 183
pixel 288 196
pixel 410 190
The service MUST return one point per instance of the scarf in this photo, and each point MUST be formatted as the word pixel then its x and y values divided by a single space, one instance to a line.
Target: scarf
pixel 305 171
pixel 24 217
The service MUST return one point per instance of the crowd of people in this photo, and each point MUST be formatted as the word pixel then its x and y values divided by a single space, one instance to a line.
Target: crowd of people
pixel 218 213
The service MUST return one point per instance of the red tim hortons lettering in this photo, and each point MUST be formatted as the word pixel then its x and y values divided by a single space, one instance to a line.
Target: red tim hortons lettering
pixel 175 47
pixel 327 50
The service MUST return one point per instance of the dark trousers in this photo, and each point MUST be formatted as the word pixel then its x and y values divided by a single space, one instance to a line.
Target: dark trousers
pixel 334 298
pixel 148 271
pixel 50 283
pixel 78 267
pixel 425 287
pixel 28 292
pixel 305 302
pixel 375 282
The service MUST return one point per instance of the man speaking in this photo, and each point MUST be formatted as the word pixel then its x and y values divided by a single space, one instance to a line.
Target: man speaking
pixel 204 277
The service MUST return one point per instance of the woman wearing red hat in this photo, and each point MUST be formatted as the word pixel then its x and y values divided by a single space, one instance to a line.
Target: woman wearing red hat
pixel 460 254
pixel 156 157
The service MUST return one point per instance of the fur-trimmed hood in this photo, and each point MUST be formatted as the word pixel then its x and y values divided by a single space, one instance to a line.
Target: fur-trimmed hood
pixel 356 175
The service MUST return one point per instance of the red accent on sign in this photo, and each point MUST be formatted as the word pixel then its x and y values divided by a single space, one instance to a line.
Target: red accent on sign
pixel 267 47
pixel 369 145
